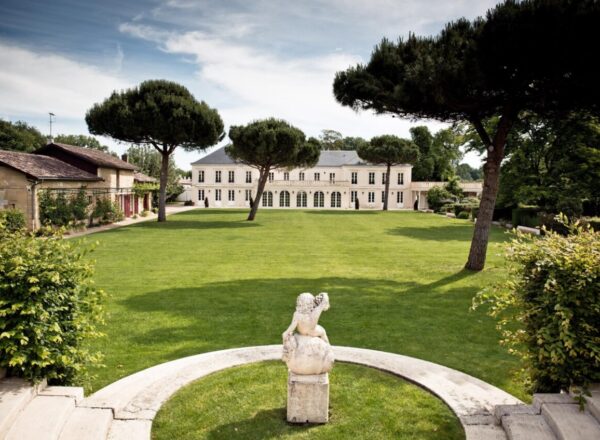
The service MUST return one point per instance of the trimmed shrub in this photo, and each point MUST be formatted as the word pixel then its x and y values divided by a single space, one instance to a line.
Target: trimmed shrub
pixel 12 219
pixel 549 309
pixel 437 197
pixel 464 215
pixel 526 216
pixel 107 211
pixel 188 203
pixel 49 307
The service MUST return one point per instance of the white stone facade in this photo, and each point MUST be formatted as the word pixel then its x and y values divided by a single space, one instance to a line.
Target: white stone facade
pixel 338 178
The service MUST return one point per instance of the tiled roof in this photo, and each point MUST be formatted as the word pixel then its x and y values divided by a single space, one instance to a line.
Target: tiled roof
pixel 91 155
pixel 327 158
pixel 218 157
pixel 44 167
pixel 141 177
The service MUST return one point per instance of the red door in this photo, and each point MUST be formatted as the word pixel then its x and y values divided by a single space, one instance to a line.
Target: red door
pixel 136 205
pixel 146 204
pixel 127 203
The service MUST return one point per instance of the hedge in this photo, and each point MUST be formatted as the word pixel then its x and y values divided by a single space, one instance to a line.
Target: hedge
pixel 526 216
pixel 13 219
pixel 549 308
pixel 49 307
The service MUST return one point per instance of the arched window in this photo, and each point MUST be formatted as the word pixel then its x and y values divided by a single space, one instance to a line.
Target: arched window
pixel 284 199
pixel 319 199
pixel 336 200
pixel 267 199
pixel 301 199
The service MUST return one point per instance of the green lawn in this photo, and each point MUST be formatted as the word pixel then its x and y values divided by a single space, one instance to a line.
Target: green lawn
pixel 248 403
pixel 208 280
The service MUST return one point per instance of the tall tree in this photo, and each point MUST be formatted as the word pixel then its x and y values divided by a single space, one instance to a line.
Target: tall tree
pixel 438 153
pixel 467 173
pixel 19 136
pixel 353 143
pixel 150 162
pixel 159 113
pixel 389 150
pixel 270 144
pixel 331 140
pixel 531 55
pixel 81 140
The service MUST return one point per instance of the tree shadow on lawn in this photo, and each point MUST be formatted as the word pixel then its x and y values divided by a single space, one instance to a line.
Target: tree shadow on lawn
pixel 345 212
pixel 196 224
pixel 430 321
pixel 254 428
pixel 449 232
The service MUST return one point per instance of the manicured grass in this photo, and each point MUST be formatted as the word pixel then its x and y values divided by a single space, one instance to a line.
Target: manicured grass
pixel 208 280
pixel 249 403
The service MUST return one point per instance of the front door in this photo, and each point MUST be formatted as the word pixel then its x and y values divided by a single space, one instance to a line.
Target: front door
pixel 127 207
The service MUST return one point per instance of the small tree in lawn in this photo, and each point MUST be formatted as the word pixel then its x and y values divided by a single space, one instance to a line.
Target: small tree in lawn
pixel 160 113
pixel 389 150
pixel 531 55
pixel 270 144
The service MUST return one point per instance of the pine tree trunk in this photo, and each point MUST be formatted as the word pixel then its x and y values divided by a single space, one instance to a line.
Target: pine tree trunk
pixel 387 188
pixel 491 183
pixel 262 181
pixel 162 193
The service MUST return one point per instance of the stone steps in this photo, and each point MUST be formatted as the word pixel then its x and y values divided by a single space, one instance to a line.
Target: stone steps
pixel 42 418
pixel 551 417
pixel 15 395
pixel 88 424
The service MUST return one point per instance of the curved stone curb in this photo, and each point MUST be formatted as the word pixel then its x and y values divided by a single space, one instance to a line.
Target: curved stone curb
pixel 135 400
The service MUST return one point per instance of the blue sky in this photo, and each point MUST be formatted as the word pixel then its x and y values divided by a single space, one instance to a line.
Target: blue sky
pixel 248 59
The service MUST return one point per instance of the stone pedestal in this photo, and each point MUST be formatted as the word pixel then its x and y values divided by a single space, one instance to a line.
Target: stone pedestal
pixel 308 398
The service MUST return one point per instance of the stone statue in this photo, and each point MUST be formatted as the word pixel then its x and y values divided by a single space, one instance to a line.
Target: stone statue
pixel 308 351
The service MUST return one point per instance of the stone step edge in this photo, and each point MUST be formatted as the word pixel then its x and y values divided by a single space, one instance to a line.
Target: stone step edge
pixel 13 415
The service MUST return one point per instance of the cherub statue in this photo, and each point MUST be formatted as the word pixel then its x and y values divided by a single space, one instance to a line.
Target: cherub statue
pixel 306 317
pixel 308 351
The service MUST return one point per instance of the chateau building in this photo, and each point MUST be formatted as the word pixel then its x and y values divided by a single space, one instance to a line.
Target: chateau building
pixel 337 180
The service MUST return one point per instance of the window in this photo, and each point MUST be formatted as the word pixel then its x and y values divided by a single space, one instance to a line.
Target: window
pixel 317 177
pixel 284 199
pixel 301 176
pixel 231 195
pixel 201 176
pixel 231 177
pixel 383 178
pixel 336 200
pixel 271 177
pixel 267 199
pixel 353 196
pixel 301 199
pixel 217 176
pixel 286 176
pixel 248 176
pixel 400 197
pixel 248 195
pixel 331 177
pixel 371 197
pixel 200 194
pixel 319 199
pixel 400 178
pixel 371 178
pixel 217 195
pixel 382 196
pixel 354 178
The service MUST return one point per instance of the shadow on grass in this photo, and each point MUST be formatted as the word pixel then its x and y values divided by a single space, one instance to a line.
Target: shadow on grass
pixel 454 232
pixel 197 224
pixel 274 420
pixel 345 212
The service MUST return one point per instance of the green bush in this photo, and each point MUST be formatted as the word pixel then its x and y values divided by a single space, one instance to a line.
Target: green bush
pixel 12 219
pixel 106 211
pixel 526 216
pixel 549 309
pixel 56 209
pixel 155 210
pixel 463 215
pixel 144 214
pixel 474 212
pixel 49 307
pixel 437 197
pixel 460 207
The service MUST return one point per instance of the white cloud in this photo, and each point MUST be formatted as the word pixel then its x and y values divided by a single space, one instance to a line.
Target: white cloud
pixel 34 84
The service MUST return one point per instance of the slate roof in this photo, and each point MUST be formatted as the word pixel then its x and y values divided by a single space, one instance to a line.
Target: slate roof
pixel 141 177
pixel 96 157
pixel 327 158
pixel 44 167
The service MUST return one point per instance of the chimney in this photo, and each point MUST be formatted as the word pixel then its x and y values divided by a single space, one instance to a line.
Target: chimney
pixel 124 157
